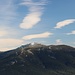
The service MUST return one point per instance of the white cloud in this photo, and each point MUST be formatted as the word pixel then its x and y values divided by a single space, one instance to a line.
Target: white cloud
pixel 34 3
pixel 30 20
pixel 34 36
pixel 58 42
pixel 35 13
pixel 64 23
pixel 6 44
pixel 73 32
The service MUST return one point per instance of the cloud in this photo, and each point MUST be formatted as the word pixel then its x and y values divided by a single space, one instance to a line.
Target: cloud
pixel 30 20
pixel 34 3
pixel 35 13
pixel 58 42
pixel 73 32
pixel 7 11
pixel 35 36
pixel 64 23
pixel 6 44
pixel 6 31
pixel 3 33
pixel 73 42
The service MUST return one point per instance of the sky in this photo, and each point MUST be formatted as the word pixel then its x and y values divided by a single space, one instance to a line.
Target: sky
pixel 50 22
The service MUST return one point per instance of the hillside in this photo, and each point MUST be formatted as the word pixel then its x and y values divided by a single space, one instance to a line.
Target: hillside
pixel 38 59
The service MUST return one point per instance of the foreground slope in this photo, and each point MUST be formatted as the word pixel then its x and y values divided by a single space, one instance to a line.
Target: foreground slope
pixel 38 59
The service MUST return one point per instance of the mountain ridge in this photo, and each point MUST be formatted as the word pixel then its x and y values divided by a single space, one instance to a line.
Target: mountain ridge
pixel 38 59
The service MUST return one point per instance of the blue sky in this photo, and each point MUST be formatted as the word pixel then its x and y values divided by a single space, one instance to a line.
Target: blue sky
pixel 42 21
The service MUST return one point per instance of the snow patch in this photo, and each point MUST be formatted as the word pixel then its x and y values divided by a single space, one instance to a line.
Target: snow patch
pixel 32 43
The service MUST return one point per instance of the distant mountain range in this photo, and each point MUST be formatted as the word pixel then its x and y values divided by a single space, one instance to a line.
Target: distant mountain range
pixel 38 59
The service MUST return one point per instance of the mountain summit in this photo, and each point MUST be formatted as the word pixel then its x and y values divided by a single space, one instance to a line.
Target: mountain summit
pixel 33 44
pixel 38 59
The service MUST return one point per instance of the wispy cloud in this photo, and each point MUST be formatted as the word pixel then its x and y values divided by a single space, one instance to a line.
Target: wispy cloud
pixel 7 11
pixel 73 42
pixel 9 43
pixel 58 42
pixel 3 33
pixel 36 36
pixel 35 13
pixel 64 23
pixel 73 32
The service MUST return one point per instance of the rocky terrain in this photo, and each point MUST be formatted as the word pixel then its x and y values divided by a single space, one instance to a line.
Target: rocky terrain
pixel 38 59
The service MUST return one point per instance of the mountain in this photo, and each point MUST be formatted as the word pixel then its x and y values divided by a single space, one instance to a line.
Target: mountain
pixel 38 59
